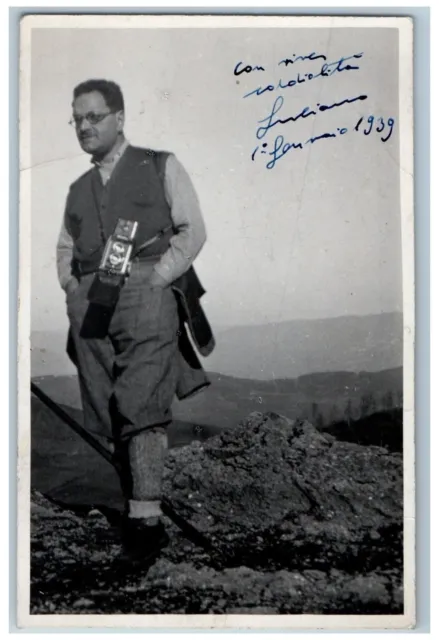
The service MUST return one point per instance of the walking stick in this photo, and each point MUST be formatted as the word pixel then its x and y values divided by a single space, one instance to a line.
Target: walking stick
pixel 73 424
pixel 189 530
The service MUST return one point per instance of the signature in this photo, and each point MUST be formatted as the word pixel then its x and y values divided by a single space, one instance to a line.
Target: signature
pixel 270 122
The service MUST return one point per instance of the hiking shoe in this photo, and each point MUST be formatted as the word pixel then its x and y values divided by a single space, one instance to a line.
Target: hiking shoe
pixel 141 542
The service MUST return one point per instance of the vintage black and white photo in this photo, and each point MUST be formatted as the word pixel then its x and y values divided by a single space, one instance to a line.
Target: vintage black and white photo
pixel 216 322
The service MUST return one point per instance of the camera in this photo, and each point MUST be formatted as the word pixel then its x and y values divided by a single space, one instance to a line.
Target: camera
pixel 115 264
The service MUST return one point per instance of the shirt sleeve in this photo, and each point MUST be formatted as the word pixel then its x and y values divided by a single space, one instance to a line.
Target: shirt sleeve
pixel 64 254
pixel 190 230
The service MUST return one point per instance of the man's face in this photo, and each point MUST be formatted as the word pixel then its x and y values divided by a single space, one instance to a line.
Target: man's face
pixel 98 138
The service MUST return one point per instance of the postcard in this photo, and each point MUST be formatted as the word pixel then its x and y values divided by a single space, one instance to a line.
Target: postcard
pixel 216 323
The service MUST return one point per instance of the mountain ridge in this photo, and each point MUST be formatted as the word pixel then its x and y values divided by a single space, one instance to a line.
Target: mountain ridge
pixel 349 316
pixel 287 349
pixel 325 397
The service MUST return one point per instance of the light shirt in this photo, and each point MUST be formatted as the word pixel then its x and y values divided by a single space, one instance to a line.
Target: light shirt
pixel 106 166
pixel 190 231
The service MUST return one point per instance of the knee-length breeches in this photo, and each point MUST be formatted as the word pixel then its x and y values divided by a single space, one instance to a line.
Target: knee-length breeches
pixel 127 359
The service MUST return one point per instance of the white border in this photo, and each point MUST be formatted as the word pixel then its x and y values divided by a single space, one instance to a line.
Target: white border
pixel 218 622
pixel 139 21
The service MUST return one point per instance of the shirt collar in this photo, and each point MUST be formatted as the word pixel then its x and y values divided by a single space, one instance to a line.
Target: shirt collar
pixel 111 162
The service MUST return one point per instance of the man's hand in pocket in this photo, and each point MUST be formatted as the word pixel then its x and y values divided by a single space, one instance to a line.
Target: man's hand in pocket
pixel 72 285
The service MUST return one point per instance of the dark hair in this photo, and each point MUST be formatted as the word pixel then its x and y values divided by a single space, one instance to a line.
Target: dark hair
pixel 110 91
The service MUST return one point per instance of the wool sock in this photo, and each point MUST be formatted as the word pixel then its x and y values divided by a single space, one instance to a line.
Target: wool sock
pixel 147 454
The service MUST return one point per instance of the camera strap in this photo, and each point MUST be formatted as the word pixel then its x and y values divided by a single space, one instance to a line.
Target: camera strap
pixel 158 235
pixel 159 160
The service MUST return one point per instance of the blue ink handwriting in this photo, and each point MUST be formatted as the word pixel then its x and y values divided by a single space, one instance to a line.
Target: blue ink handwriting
pixel 305 113
pixel 247 69
pixel 281 148
pixel 328 69
pixel 310 56
pixel 371 119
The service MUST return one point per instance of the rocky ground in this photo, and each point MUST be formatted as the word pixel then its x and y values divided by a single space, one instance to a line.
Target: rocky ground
pixel 280 518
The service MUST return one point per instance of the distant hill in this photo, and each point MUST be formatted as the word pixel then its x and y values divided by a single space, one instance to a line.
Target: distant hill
pixel 382 429
pixel 279 350
pixel 299 347
pixel 322 397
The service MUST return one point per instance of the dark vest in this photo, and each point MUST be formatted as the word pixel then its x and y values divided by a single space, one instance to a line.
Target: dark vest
pixel 135 192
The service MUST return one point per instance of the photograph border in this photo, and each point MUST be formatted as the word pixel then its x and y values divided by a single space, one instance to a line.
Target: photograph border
pixel 407 216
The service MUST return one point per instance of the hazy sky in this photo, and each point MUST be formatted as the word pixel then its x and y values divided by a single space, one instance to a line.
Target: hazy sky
pixel 318 235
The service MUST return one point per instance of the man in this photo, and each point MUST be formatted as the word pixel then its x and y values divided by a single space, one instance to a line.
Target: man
pixel 129 356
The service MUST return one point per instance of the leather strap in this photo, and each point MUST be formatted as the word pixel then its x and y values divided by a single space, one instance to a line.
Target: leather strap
pixel 157 236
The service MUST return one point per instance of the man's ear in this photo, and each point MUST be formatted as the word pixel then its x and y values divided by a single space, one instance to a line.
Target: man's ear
pixel 120 116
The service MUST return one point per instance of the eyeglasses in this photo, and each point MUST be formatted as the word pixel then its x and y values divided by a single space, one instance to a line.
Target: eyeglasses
pixel 92 118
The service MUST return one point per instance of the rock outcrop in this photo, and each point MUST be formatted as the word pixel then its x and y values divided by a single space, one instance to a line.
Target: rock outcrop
pixel 276 492
pixel 290 519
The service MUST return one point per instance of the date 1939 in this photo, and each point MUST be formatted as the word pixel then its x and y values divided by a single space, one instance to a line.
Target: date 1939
pixel 379 124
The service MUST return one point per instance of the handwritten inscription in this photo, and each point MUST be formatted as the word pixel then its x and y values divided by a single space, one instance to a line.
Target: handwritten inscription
pixel 281 148
pixel 327 70
pixel 278 116
pixel 247 69
pixel 309 56
pixel 382 125
pixel 304 113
